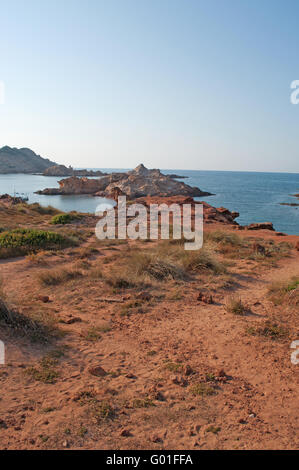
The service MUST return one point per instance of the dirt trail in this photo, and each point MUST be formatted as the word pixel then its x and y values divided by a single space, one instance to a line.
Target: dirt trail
pixel 145 357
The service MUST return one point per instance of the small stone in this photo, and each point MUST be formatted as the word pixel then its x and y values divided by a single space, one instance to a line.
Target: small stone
pixel 174 379
pixel 43 298
pixel 97 371
pixel 221 373
pixel 188 370
pixel 159 396
pixel 3 424
pixel 130 376
pixel 156 438
pixel 65 444
pixel 73 320
pixel 125 433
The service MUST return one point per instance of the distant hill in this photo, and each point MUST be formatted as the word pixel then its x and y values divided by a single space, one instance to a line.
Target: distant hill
pixel 13 160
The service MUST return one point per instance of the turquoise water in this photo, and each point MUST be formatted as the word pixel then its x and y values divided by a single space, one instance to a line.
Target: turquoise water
pixel 256 196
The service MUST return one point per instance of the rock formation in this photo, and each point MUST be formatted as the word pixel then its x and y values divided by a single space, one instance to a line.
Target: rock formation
pixel 140 182
pixel 211 214
pixel 13 160
pixel 62 170
pixel 260 226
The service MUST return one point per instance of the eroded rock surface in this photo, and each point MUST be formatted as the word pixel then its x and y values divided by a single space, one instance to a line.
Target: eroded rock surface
pixel 140 182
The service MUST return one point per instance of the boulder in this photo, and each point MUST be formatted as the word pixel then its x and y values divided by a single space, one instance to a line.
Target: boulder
pixel 261 226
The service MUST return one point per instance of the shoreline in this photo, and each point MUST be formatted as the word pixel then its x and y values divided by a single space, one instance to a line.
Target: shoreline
pixel 232 196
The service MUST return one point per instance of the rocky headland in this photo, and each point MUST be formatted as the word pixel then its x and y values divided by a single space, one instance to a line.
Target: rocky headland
pixel 139 182
pixel 24 160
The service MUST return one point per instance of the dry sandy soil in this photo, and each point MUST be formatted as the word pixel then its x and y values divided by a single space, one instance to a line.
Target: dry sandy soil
pixel 136 360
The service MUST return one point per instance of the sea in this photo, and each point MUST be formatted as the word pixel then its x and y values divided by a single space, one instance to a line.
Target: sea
pixel 256 196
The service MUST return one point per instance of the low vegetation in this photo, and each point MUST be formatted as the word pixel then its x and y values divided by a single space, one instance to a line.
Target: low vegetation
pixel 285 291
pixel 235 305
pixel 269 329
pixel 62 219
pixel 202 389
pixel 19 242
pixel 58 276
pixel 45 372
pixel 37 330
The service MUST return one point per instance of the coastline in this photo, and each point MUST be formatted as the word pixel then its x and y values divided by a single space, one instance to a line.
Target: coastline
pixel 246 196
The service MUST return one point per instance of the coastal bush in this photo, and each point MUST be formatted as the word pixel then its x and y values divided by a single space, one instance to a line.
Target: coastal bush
pixel 61 219
pixel 23 241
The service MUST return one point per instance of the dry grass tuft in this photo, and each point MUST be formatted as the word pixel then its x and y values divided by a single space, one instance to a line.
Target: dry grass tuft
pixel 58 276
pixel 235 305
pixel 285 291
pixel 202 389
pixel 272 330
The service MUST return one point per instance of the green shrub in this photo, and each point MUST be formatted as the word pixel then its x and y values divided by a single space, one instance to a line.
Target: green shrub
pixel 23 241
pixel 62 219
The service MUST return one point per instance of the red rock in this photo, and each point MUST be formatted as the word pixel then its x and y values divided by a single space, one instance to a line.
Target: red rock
pixel 261 226
pixel 43 298
pixel 156 438
pixel 97 371
pixel 207 299
pixel 125 433
pixel 3 424
pixel 130 376
pixel 188 370
pixel 72 320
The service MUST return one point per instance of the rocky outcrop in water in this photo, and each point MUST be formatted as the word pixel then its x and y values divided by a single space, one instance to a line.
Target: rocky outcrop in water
pixel 24 160
pixel 260 226
pixel 62 170
pixel 140 182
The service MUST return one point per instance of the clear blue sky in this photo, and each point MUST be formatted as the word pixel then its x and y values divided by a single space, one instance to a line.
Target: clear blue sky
pixel 170 83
